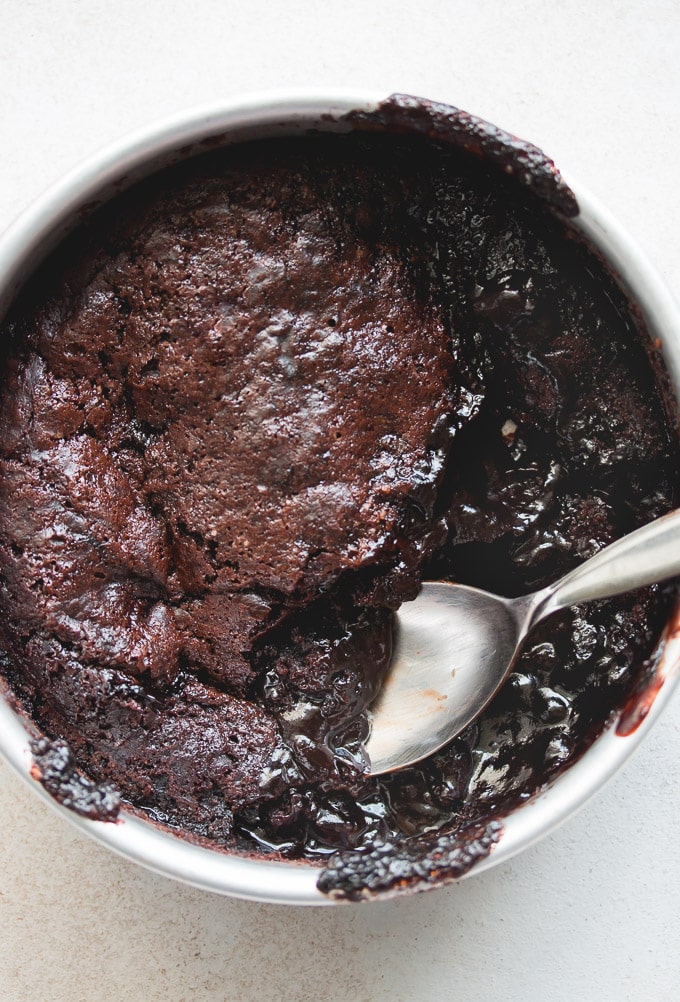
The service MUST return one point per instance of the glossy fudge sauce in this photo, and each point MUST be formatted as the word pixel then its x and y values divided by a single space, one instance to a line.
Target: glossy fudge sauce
pixel 246 410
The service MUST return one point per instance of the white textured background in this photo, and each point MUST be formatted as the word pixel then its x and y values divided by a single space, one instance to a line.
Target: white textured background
pixel 593 912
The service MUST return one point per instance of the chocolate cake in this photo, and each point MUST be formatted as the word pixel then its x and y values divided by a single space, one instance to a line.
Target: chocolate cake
pixel 249 406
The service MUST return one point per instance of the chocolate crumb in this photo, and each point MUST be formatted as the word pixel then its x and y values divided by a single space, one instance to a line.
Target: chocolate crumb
pixel 388 866
pixel 55 767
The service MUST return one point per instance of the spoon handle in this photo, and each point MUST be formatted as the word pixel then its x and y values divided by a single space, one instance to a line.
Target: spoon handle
pixel 643 557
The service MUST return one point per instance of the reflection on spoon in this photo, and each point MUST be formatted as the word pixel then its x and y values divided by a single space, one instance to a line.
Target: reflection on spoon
pixel 455 645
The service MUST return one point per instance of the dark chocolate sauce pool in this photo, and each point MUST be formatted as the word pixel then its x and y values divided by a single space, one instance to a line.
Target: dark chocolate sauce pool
pixel 246 411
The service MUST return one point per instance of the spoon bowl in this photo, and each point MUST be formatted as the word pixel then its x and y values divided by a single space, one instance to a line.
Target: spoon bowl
pixel 453 646
pixel 456 645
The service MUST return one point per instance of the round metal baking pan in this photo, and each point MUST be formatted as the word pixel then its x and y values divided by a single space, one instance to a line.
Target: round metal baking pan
pixel 40 228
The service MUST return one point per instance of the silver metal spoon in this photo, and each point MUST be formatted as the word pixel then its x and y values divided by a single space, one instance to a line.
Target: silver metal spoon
pixel 455 645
